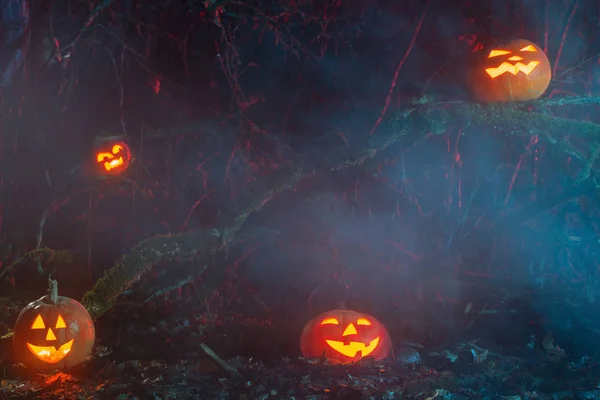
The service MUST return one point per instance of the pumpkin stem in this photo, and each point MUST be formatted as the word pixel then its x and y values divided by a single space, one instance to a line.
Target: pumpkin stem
pixel 53 290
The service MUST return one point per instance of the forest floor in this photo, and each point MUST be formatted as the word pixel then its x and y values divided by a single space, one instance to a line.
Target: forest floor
pixel 195 361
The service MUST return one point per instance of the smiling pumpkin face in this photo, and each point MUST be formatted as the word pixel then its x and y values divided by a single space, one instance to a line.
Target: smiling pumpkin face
pixel 52 353
pixel 345 336
pixel 516 71
pixel 49 337
pixel 113 158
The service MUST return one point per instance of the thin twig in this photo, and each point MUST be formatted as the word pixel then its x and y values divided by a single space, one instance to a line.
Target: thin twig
pixel 585 172
pixel 65 51
pixel 230 369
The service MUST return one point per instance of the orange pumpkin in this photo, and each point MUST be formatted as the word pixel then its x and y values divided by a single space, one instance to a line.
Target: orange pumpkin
pixel 516 71
pixel 113 158
pixel 53 333
pixel 345 336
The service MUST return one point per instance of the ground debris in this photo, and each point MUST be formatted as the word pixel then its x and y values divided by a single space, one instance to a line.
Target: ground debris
pixel 288 378
pixel 157 361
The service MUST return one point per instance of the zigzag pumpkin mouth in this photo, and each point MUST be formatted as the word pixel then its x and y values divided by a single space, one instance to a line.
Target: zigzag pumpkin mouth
pixel 514 69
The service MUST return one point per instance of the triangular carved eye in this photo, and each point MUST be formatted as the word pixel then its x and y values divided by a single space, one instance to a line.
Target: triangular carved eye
pixel 496 53
pixel 38 323
pixel 60 322
pixel 529 48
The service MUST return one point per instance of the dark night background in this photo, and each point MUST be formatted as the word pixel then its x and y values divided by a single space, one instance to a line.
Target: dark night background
pixel 212 95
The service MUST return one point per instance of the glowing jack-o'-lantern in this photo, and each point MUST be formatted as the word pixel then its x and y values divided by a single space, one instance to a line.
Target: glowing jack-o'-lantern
pixel 516 71
pixel 113 159
pixel 345 336
pixel 53 333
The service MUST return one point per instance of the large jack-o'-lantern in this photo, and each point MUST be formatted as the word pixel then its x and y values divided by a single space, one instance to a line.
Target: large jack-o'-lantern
pixel 53 333
pixel 345 336
pixel 516 71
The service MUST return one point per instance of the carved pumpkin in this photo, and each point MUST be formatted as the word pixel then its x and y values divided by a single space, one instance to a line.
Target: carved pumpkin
pixel 113 158
pixel 516 71
pixel 53 333
pixel 345 336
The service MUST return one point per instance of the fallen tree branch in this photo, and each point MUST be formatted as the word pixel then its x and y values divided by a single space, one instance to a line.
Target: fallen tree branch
pixel 43 253
pixel 415 122
pixel 142 257
pixel 510 120
pixel 206 243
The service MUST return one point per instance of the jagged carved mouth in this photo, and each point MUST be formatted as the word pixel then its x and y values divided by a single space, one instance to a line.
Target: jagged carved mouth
pixel 351 349
pixel 512 68
pixel 113 163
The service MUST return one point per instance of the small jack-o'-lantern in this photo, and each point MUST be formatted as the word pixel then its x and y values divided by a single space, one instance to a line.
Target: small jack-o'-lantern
pixel 345 336
pixel 113 158
pixel 53 333
pixel 516 71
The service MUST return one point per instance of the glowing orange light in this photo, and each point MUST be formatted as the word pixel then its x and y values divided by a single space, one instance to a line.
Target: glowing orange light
pixel 518 70
pixel 345 336
pixel 53 333
pixel 50 354
pixel 512 69
pixel 50 336
pixel 529 47
pixel 351 349
pixel 116 160
pixel 496 53
pixel 38 323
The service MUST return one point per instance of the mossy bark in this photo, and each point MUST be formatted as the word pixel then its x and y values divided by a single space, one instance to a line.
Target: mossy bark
pixel 422 118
